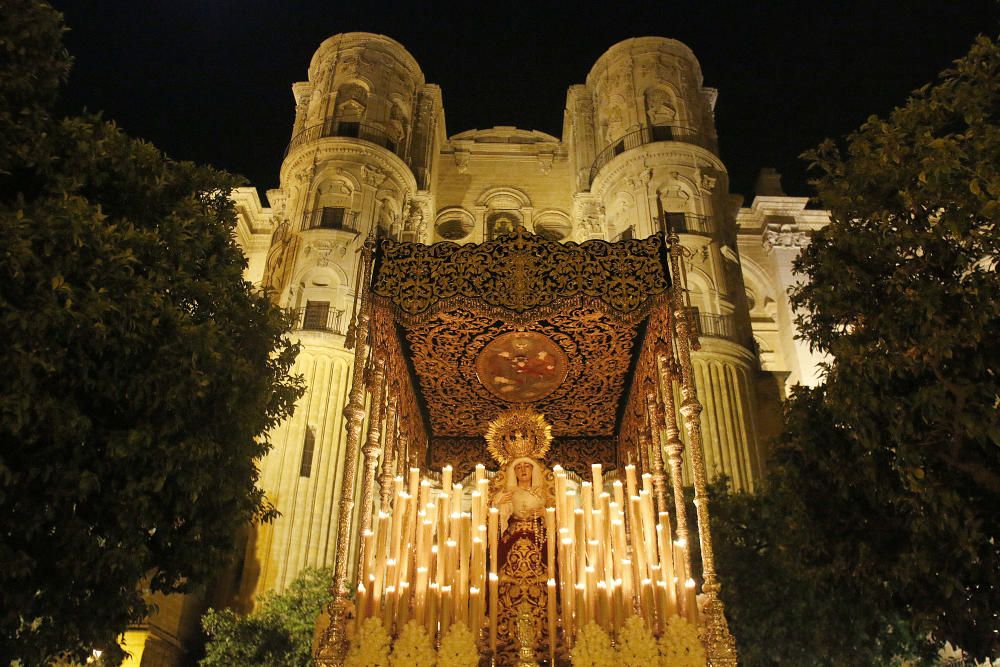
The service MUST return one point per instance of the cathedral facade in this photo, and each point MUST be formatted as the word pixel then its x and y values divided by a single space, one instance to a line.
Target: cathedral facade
pixel 370 156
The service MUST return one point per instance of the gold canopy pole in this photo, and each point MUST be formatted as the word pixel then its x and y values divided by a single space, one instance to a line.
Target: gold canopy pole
pixel 389 456
pixel 373 445
pixel 720 645
pixel 333 644
pixel 675 450
pixel 655 415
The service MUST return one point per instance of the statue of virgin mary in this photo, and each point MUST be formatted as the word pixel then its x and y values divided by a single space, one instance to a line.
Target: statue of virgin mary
pixel 521 492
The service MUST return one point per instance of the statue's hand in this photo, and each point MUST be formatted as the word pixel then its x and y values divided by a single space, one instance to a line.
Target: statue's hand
pixel 503 497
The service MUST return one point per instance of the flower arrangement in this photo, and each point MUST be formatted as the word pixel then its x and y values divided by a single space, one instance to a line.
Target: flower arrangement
pixel 636 645
pixel 680 645
pixel 370 647
pixel 592 648
pixel 458 648
pixel 413 647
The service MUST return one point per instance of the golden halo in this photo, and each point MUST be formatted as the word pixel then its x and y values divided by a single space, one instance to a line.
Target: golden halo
pixel 516 433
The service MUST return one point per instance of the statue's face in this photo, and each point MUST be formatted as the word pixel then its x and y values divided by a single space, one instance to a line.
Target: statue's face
pixel 523 471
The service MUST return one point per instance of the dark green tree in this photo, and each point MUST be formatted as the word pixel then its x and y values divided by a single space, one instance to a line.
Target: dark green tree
pixel 278 633
pixel 895 461
pixel 140 372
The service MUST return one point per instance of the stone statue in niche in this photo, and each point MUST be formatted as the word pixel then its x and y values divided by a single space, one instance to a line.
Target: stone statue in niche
pixel 280 258
pixel 659 107
pixel 616 125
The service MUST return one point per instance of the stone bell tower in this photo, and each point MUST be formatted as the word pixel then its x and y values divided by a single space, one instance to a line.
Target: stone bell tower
pixel 645 158
pixel 360 161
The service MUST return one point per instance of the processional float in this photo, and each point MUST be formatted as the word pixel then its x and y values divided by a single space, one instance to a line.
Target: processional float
pixel 530 353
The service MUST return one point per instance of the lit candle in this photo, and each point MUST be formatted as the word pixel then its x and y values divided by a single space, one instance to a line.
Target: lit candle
pixel 368 546
pixel 380 556
pixel 403 606
pixel 587 492
pixel 566 584
pixel 425 491
pixel 493 530
pixel 648 525
pixel 362 604
pixel 456 499
pixel 476 508
pixel 552 620
pixel 638 544
pixel 446 479
pixel 475 611
pixel 433 605
pixel 480 472
pixel 691 599
pixel 631 486
pixel 595 471
pixel 666 561
pixel 446 608
pixel 550 534
pixel 619 494
pixel 388 607
pixel 420 596
pixel 604 606
pixel 494 593
pixel 628 599
pixel 414 482
pixel 646 600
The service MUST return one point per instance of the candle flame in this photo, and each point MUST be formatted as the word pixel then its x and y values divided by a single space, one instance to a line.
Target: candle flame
pixel 680 542
pixel 425 482
pixel 451 543
pixel 552 582
pixel 361 587
pixel 368 532
pixel 494 576
pixel 689 583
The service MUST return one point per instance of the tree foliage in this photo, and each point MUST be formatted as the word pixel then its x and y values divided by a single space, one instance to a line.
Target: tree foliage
pixel 876 537
pixel 140 372
pixel 895 461
pixel 278 633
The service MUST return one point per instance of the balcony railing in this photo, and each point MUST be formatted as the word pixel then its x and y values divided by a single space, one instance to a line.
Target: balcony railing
pixel 319 319
pixel 369 132
pixel 646 135
pixel 690 223
pixel 714 326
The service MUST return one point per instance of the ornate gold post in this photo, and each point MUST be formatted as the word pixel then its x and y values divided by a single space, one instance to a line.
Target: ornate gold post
pixel 643 446
pixel 655 422
pixel 719 642
pixel 333 644
pixel 389 456
pixel 373 445
pixel 675 451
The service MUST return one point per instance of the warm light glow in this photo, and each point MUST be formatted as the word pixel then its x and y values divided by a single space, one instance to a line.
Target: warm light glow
pixel 689 583
pixel 494 576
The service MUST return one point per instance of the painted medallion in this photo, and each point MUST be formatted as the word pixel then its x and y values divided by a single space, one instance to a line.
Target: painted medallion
pixel 521 366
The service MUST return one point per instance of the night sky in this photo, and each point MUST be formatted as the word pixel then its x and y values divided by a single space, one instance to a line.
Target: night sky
pixel 210 80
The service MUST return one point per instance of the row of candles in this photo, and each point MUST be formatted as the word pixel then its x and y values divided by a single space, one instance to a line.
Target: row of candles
pixel 432 561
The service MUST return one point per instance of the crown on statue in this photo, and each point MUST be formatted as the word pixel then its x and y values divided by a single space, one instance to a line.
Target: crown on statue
pixel 516 433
